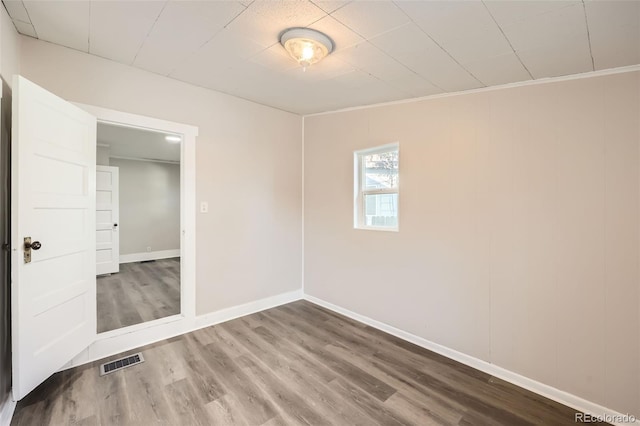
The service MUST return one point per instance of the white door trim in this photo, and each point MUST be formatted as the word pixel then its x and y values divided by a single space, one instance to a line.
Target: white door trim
pixel 110 343
pixel 7 408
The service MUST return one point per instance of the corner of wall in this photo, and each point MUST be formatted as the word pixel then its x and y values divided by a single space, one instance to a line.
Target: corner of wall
pixel 9 47
pixel 302 198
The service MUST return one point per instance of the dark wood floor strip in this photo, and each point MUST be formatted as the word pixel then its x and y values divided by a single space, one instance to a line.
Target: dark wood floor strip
pixel 297 364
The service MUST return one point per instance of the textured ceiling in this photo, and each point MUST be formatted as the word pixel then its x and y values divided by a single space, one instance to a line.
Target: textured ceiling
pixel 385 50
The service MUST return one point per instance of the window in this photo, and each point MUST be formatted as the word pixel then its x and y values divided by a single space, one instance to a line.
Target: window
pixel 376 188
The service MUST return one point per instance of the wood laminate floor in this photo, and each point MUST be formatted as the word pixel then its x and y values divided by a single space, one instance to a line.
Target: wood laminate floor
pixel 140 292
pixel 291 365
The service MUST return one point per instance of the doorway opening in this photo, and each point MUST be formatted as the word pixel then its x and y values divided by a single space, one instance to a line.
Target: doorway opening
pixel 122 339
pixel 53 237
pixel 138 244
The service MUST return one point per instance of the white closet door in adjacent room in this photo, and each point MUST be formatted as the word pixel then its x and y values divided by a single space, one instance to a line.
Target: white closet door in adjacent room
pixel 107 218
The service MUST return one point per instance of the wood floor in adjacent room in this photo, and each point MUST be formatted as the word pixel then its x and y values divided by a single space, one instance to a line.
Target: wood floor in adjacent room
pixel 140 292
pixel 294 364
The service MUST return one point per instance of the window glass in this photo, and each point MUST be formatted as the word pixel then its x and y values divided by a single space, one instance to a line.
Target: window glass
pixel 380 170
pixel 377 188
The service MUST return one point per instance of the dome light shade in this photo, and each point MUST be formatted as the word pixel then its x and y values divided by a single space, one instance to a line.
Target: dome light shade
pixel 305 45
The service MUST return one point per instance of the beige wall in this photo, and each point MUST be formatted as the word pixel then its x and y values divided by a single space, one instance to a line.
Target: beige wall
pixel 248 169
pixel 519 229
pixel 9 48
pixel 149 205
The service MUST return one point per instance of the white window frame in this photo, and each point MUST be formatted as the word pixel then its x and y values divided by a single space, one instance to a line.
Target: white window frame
pixel 359 208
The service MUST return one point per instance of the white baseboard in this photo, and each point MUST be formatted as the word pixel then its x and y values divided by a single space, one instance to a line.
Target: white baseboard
pixel 6 410
pixel 149 255
pixel 140 335
pixel 547 391
pixel 247 309
pixel 164 330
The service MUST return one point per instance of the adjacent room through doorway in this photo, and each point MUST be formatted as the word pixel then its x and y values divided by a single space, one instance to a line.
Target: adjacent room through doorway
pixel 137 226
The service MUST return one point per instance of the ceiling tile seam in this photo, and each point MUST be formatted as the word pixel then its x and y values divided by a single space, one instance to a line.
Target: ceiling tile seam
pixel 438 44
pixel 13 21
pixel 355 68
pixel 30 21
pixel 192 54
pixel 234 18
pixel 21 33
pixel 187 82
pixel 329 13
pixel 368 40
pixel 306 26
pixel 261 51
pixel 364 38
pixel 321 18
pixel 98 56
pixel 89 32
pixel 16 19
pixel 378 78
pixel 277 42
pixel 280 72
pixel 508 41
pixel 409 68
pixel 586 23
pixel 15 25
pixel 149 32
pixel 226 93
pixel 79 50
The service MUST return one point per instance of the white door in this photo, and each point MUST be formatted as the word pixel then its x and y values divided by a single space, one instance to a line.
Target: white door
pixel 53 293
pixel 107 219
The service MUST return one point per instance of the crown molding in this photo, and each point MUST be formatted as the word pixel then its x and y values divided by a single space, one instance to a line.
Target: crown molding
pixel 590 74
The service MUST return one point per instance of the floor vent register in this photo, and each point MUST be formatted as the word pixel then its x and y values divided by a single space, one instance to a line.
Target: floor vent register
pixel 119 364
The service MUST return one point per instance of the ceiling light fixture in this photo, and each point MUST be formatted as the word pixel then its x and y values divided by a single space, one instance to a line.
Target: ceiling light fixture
pixel 172 138
pixel 305 45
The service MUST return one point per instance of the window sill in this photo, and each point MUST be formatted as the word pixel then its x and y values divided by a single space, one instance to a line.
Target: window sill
pixel 373 228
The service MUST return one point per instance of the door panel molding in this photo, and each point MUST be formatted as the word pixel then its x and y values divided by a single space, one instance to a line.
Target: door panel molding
pixel 53 289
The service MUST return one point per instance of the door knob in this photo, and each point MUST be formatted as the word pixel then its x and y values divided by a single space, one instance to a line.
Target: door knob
pixel 32 245
pixel 28 246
